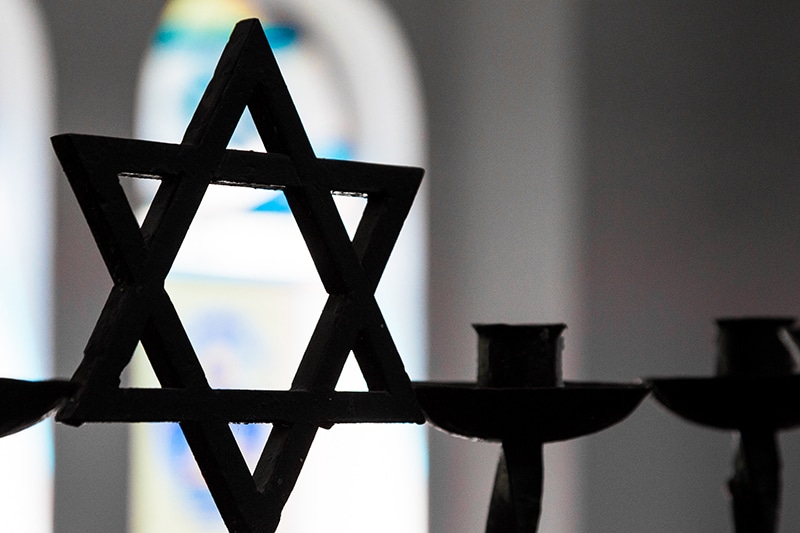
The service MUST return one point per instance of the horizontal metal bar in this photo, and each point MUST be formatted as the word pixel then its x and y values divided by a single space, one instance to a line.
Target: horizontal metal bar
pixel 242 406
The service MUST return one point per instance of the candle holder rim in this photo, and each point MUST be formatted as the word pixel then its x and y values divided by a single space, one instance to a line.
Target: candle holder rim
pixel 762 321
pixel 520 327
pixel 716 401
pixel 547 412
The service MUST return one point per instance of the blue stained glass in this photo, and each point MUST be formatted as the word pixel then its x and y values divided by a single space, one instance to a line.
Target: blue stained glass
pixel 176 37
pixel 181 463
pixel 194 92
pixel 337 150
pixel 276 204
pixel 281 36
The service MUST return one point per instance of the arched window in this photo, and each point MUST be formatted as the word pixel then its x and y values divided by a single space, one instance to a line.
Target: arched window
pixel 244 284
pixel 26 458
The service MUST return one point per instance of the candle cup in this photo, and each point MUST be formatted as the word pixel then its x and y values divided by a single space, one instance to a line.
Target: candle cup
pixel 527 355
pixel 755 347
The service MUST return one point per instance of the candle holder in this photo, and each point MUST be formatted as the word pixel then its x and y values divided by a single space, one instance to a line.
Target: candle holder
pixel 521 401
pixel 755 393
pixel 24 403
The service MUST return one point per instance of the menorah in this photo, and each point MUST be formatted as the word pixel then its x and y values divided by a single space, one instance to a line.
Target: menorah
pixel 519 398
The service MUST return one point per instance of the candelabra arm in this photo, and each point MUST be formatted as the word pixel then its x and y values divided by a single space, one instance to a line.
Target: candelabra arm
pixel 756 483
pixel 517 495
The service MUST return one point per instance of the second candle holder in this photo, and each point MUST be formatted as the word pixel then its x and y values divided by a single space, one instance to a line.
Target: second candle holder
pixel 521 400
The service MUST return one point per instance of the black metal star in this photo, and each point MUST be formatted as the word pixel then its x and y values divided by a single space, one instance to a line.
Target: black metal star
pixel 139 259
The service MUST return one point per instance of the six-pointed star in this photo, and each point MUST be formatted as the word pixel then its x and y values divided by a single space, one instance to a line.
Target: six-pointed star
pixel 139 259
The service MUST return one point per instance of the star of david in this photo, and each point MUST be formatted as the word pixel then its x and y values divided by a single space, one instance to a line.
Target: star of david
pixel 139 258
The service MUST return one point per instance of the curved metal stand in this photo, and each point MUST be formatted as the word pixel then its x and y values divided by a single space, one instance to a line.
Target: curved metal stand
pixel 521 401
pixel 755 393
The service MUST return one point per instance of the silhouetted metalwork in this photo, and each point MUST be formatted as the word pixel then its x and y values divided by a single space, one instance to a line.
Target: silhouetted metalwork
pixel 139 259
pixel 754 393
pixel 24 403
pixel 521 400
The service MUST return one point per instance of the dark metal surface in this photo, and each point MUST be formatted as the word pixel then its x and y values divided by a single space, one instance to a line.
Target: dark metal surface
pixel 24 403
pixel 521 400
pixel 519 355
pixel 514 507
pixel 733 403
pixel 754 393
pixel 139 259
pixel 755 487
pixel 544 414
